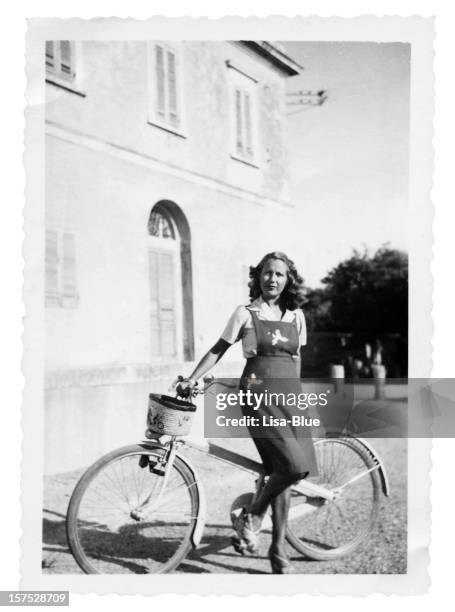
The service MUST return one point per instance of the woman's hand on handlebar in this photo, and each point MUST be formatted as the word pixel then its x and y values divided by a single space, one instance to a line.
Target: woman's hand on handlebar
pixel 185 387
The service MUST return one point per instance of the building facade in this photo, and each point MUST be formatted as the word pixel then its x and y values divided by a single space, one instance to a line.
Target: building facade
pixel 166 179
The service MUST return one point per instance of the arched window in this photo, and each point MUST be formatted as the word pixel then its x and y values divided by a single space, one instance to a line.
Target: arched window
pixel 160 224
pixel 170 278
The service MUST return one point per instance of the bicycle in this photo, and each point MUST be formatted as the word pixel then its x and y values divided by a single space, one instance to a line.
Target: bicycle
pixel 141 508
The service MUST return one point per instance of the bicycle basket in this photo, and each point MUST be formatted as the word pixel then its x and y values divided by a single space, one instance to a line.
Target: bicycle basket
pixel 169 416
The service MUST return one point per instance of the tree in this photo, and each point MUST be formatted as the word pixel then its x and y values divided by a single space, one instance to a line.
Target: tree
pixel 366 295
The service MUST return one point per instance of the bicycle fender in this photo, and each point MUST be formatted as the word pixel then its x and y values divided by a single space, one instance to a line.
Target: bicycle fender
pixel 198 528
pixel 376 458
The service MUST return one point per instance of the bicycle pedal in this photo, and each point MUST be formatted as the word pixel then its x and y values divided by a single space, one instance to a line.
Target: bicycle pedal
pixel 159 471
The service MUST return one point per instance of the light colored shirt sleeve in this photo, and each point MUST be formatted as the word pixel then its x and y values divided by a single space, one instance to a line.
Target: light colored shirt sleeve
pixel 234 328
pixel 302 327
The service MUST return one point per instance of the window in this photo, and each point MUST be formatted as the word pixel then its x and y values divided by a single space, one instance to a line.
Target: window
pixel 165 109
pixel 170 282
pixel 163 261
pixel 60 264
pixel 243 137
pixel 243 115
pixel 60 59
pixel 160 225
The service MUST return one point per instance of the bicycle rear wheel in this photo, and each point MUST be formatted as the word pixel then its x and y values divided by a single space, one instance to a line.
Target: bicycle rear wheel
pixel 110 533
pixel 331 529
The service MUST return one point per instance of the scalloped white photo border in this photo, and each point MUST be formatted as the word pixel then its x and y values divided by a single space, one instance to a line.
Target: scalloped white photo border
pixel 417 31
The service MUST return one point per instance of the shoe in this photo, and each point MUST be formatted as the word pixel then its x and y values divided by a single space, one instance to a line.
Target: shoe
pixel 247 539
pixel 280 563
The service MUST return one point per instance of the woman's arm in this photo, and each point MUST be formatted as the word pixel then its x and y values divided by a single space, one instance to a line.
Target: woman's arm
pixel 205 365
pixel 210 359
pixel 232 332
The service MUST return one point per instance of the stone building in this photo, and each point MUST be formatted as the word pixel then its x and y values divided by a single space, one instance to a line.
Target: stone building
pixel 166 178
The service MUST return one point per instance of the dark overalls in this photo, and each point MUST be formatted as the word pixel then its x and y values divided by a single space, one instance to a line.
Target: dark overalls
pixel 288 450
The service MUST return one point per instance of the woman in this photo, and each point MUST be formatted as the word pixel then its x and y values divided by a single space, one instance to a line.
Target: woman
pixel 272 329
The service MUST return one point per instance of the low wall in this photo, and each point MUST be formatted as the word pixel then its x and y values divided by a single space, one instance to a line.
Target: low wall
pixel 89 414
pixel 83 423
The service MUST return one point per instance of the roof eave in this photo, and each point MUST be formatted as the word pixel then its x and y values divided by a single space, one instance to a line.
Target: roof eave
pixel 270 52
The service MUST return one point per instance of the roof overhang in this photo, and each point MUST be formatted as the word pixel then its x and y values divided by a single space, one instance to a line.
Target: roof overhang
pixel 272 53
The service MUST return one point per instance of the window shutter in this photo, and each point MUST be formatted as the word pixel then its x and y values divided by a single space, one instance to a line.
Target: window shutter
pixel 162 304
pixel 50 54
pixel 238 121
pixel 160 92
pixel 66 58
pixel 60 58
pixel 166 299
pixel 155 333
pixel 248 138
pixel 51 265
pixel 69 289
pixel 172 87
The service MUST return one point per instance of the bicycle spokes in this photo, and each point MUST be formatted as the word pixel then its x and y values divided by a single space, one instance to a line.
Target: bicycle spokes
pixel 133 518
pixel 324 526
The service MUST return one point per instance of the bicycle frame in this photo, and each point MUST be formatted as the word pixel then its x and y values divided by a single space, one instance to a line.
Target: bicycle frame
pixel 161 456
pixel 305 488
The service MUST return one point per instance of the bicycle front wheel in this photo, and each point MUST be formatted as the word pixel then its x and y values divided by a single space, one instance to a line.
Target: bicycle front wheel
pixel 331 529
pixel 125 517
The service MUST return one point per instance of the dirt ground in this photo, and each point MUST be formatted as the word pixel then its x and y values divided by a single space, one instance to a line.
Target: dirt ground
pixel 384 552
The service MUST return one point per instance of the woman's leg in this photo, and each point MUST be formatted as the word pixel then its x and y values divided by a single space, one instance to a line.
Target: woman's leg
pixel 276 485
pixel 280 511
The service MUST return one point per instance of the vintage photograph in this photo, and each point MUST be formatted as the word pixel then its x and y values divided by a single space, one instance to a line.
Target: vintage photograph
pixel 222 210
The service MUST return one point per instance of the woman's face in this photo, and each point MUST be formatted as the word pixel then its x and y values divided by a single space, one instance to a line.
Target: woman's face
pixel 274 277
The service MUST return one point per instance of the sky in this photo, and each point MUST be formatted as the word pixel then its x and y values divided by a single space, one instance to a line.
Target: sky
pixel 348 159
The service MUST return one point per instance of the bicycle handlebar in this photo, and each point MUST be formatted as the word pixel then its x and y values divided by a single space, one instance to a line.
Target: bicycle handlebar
pixel 209 381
